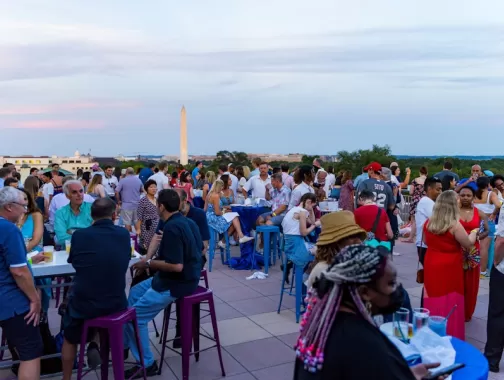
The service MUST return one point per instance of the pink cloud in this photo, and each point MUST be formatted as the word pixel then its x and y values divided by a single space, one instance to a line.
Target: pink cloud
pixel 59 124
pixel 59 108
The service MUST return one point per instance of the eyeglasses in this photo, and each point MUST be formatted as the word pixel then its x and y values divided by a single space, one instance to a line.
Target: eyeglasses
pixel 22 205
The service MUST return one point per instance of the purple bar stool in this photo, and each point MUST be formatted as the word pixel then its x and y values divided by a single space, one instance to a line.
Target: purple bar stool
pixel 190 326
pixel 113 340
pixel 204 278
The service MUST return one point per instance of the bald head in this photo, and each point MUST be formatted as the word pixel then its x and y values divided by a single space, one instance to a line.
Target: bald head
pixel 476 170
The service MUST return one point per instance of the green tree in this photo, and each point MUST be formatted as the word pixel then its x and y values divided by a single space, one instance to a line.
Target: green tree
pixel 308 159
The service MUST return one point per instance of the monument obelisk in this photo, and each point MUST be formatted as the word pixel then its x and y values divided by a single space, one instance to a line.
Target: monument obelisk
pixel 183 137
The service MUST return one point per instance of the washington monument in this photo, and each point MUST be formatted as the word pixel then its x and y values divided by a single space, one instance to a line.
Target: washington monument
pixel 183 137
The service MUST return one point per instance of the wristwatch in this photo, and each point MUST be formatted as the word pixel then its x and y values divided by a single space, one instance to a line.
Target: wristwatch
pixel 148 263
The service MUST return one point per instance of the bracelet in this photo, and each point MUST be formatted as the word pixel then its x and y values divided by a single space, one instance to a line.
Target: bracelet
pixel 273 214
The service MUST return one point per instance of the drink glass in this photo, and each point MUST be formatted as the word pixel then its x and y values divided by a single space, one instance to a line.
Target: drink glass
pixel 438 325
pixel 401 324
pixel 49 253
pixel 132 243
pixel 68 245
pixel 420 318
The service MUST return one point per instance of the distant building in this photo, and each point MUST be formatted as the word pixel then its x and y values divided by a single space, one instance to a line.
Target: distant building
pixel 72 164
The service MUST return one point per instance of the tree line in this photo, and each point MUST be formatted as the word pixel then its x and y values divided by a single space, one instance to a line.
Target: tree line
pixel 352 161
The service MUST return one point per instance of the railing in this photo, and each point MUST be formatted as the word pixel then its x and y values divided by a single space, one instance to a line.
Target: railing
pixel 404 208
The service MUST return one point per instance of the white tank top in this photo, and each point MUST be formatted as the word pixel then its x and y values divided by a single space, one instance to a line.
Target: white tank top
pixel 487 207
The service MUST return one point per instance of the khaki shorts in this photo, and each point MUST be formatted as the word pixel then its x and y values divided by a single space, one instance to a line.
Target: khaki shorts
pixel 129 217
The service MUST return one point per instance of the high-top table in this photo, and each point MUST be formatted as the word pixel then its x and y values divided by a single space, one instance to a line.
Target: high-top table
pixel 60 267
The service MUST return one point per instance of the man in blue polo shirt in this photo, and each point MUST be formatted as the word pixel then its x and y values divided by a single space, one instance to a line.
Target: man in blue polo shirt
pixel 471 181
pixel 178 273
pixel 19 300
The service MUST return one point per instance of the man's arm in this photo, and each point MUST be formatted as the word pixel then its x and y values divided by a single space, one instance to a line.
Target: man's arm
pixel 15 254
pixel 172 252
pixel 464 184
pixel 246 188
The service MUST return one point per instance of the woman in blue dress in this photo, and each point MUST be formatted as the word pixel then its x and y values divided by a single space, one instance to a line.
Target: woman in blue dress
pixel 216 219
pixel 31 225
pixel 227 195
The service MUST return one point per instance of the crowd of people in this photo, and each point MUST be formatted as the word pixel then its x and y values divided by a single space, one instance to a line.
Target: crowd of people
pixel 350 273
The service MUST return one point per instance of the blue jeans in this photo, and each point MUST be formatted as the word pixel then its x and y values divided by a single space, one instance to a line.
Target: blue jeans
pixel 148 303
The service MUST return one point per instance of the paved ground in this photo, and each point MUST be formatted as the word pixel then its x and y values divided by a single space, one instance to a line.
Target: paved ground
pixel 257 342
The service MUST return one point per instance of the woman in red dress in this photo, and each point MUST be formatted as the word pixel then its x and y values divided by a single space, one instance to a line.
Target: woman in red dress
pixel 471 219
pixel 443 267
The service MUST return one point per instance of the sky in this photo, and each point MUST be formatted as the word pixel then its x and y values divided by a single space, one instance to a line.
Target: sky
pixel 110 77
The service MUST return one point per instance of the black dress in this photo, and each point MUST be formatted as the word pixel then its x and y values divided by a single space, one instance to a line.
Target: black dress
pixel 357 350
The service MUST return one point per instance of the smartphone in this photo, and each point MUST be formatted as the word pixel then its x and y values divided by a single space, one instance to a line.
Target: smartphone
pixel 445 371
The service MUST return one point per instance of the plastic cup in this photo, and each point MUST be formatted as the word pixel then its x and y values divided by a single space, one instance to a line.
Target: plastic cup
pixel 49 253
pixel 401 324
pixel 132 243
pixel 420 318
pixel 68 245
pixel 438 325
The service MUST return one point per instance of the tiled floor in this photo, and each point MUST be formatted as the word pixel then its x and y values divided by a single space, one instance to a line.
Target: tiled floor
pixel 257 342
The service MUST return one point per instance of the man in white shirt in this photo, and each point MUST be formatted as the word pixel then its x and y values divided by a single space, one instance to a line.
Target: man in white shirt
pixel 225 169
pixel 47 191
pixel 433 188
pixel 495 317
pixel 160 177
pixel 110 182
pixel 61 200
pixel 258 183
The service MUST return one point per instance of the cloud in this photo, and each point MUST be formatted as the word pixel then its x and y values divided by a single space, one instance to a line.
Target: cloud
pixel 57 124
pixel 61 108
pixel 409 51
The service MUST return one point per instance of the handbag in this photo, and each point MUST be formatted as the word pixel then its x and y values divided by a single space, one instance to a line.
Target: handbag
pixel 371 240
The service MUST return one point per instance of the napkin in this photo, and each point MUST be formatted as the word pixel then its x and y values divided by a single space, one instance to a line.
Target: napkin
pixel 434 348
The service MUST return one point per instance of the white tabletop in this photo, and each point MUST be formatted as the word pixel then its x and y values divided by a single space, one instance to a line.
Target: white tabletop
pixel 60 266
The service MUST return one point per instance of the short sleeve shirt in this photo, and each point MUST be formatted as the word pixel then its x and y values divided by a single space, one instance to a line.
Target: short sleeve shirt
pixel 181 244
pixel 13 301
pixel 280 197
pixel 384 197
pixel 258 186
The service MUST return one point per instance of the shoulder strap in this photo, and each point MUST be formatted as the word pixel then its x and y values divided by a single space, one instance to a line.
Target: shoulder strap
pixel 377 220
pixel 488 196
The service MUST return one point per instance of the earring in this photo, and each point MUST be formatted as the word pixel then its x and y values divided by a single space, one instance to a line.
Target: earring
pixel 368 307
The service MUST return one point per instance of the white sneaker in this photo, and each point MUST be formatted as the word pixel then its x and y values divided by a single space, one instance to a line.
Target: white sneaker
pixel 232 241
pixel 246 239
pixel 221 245
pixel 396 254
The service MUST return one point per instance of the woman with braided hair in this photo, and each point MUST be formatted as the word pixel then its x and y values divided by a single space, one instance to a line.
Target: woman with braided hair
pixel 339 338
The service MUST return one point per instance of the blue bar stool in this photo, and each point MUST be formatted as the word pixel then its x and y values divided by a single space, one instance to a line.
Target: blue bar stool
pixel 299 291
pixel 270 235
pixel 214 239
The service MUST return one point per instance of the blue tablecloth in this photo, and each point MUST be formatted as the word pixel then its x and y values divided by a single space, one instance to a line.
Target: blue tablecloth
pixel 476 364
pixel 248 217
pixel 198 202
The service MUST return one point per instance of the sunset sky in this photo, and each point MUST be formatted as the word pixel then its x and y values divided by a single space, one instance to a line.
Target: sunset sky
pixel 110 77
